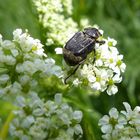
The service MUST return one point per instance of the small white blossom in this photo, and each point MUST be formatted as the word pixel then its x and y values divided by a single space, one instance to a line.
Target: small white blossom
pixel 111 42
pixel 14 52
pixel 56 116
pixel 59 51
pixel 112 89
pixel 123 125
pixel 77 129
pixel 108 122
pixel 4 78
pixel 76 82
pixel 77 115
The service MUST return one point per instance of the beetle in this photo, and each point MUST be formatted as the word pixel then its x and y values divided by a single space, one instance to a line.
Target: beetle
pixel 79 46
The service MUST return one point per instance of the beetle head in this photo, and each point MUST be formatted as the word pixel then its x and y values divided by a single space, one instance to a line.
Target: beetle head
pixel 92 32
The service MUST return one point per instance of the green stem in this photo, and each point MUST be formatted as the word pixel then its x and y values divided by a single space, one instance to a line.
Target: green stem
pixel 5 128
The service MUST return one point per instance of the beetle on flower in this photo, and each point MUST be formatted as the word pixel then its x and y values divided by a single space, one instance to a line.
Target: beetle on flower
pixel 79 46
pixel 93 60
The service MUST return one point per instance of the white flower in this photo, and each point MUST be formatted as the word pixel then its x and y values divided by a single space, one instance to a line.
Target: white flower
pixel 59 51
pixel 4 78
pixel 14 52
pixel 50 62
pixel 101 78
pixel 111 42
pixel 56 115
pixel 29 67
pixel 108 122
pixel 23 63
pixel 122 67
pixel 105 126
pixel 24 79
pixel 77 115
pixel 128 113
pixel 59 28
pixel 123 125
pixel 76 82
pixel 77 129
pixel 15 88
pixel 28 121
pixel 113 113
pixel 9 60
pixel 112 89
pixel 20 101
pixel 17 34
pixel 51 68
pixel 98 62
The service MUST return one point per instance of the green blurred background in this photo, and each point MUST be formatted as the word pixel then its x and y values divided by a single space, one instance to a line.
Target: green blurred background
pixel 118 19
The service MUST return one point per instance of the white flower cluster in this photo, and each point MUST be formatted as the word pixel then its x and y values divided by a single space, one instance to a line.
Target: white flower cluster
pixel 105 72
pixel 121 126
pixel 55 16
pixel 22 63
pixel 51 120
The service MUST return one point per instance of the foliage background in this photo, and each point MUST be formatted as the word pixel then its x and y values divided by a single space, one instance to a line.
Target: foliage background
pixel 118 19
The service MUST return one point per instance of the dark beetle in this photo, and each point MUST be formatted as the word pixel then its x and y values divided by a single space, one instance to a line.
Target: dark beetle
pixel 79 46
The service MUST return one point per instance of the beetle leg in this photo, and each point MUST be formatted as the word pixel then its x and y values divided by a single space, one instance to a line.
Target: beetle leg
pixel 65 80
pixel 100 42
pixel 94 56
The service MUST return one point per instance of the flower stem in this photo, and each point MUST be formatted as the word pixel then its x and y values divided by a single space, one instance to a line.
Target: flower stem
pixel 5 128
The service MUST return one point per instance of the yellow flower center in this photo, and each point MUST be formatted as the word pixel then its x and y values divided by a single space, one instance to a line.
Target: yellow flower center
pixel 113 122
pixel 98 79
pixel 110 82
pixel 111 60
pixel 34 48
pixel 119 62
pixel 110 44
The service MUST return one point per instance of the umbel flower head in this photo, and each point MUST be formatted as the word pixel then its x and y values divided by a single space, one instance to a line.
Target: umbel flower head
pixel 51 120
pixel 22 63
pixel 103 73
pixel 55 16
pixel 123 125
